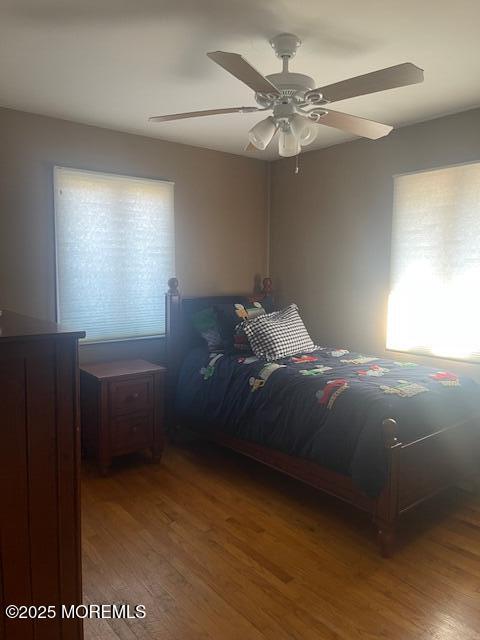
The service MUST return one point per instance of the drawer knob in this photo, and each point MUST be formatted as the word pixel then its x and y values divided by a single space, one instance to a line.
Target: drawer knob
pixel 134 396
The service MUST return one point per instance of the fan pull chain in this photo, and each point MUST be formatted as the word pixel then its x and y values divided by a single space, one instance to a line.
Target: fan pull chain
pixel 296 165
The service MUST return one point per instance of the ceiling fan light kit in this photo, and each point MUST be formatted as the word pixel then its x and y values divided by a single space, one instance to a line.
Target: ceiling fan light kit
pixel 297 105
pixel 262 133
pixel 288 143
pixel 305 131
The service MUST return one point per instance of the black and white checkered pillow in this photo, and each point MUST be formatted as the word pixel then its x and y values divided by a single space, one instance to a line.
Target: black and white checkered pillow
pixel 278 334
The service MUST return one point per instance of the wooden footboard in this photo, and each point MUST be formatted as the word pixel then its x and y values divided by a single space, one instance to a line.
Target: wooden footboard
pixel 422 468
pixel 437 461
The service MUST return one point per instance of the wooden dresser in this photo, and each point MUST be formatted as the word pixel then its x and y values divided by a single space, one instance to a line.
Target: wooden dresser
pixel 122 409
pixel 40 558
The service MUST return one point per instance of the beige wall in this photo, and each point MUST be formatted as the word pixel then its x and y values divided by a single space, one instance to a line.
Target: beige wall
pixel 220 211
pixel 331 226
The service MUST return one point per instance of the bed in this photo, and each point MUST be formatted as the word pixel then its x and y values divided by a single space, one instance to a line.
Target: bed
pixel 380 434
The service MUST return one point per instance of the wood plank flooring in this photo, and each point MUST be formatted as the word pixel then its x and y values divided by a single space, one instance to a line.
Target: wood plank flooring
pixel 218 547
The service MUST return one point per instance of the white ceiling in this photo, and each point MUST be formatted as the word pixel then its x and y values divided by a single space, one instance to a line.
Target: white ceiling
pixel 113 63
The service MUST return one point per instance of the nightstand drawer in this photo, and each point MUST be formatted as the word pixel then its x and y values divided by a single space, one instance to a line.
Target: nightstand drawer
pixel 131 432
pixel 130 396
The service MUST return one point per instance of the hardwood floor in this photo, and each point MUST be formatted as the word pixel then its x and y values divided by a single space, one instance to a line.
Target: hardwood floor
pixel 218 547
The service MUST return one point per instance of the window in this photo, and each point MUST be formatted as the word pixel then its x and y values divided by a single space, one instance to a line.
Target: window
pixel 115 252
pixel 434 303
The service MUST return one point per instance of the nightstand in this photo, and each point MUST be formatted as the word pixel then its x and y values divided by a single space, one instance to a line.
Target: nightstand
pixel 122 409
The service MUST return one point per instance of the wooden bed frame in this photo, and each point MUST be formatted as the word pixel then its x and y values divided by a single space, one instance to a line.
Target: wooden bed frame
pixel 416 470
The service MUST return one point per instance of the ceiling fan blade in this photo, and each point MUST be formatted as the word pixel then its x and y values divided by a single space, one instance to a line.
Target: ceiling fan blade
pixel 353 124
pixel 236 64
pixel 208 112
pixel 400 75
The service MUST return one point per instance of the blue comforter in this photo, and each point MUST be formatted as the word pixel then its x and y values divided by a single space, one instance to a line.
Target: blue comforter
pixel 326 406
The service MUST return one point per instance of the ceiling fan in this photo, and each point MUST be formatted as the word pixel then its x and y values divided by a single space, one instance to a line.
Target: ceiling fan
pixel 296 104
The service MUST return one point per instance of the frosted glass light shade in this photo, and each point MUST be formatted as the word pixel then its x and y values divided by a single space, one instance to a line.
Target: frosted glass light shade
pixel 309 134
pixel 288 144
pixel 304 130
pixel 261 134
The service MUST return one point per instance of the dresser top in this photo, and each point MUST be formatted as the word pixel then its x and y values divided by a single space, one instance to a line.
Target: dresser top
pixel 120 368
pixel 14 326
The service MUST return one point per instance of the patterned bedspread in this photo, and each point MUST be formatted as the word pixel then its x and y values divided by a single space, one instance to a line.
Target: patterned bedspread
pixel 327 405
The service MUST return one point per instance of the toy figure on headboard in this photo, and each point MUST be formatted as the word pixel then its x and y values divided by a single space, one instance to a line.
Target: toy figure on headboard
pixel 240 339
pixel 250 313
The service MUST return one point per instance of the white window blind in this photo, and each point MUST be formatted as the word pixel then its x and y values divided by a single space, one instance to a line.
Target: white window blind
pixel 115 253
pixel 434 303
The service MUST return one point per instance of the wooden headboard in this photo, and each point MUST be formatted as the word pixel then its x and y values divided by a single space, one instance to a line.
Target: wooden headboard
pixel 179 334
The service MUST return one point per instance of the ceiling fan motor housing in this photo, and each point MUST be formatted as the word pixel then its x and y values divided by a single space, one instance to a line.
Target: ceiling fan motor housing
pixel 292 87
pixel 288 81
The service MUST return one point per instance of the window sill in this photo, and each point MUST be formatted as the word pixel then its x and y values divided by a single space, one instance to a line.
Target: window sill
pixel 426 354
pixel 87 343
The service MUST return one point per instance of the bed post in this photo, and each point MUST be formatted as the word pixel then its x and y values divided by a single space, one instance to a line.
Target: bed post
pixel 173 330
pixel 263 289
pixel 264 294
pixel 386 513
pixel 267 288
